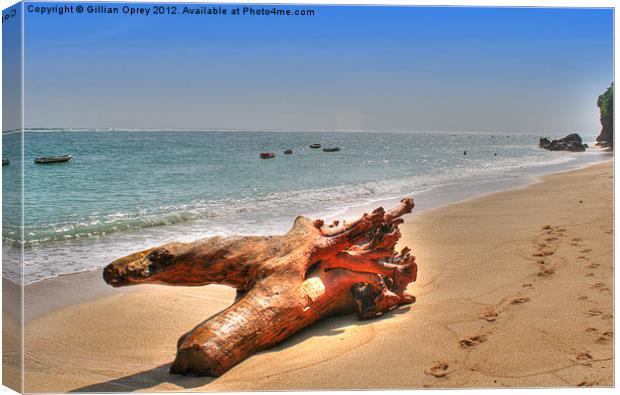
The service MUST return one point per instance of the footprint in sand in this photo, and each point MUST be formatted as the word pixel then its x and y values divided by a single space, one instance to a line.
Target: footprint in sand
pixel 528 285
pixel 584 357
pixel 581 257
pixel 582 298
pixel 604 338
pixel 601 286
pixel 586 250
pixel 490 314
pixel 519 300
pixel 591 330
pixel 472 341
pixel 546 271
pixel 439 369
pixel 587 383
pixel 589 274
pixel 576 239
pixel 598 313
pixel 546 227
pixel 593 266
pixel 543 253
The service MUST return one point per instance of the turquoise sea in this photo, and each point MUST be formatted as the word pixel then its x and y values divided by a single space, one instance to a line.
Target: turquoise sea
pixel 126 190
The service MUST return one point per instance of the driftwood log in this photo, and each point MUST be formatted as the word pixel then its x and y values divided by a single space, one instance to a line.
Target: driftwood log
pixel 284 283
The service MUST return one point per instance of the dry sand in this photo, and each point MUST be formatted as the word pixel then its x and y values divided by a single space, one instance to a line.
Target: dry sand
pixel 514 289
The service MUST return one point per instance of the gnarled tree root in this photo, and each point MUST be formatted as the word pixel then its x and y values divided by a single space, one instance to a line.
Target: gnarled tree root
pixel 284 283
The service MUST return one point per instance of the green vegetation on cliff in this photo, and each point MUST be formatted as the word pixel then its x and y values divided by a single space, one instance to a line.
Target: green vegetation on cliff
pixel 606 105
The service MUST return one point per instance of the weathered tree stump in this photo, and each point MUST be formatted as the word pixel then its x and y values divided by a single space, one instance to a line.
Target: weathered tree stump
pixel 284 283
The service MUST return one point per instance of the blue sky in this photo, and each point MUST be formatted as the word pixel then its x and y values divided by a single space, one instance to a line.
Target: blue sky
pixel 378 68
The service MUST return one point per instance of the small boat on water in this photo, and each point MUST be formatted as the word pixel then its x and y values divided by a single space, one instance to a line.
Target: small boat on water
pixel 331 149
pixel 315 145
pixel 5 162
pixel 53 159
pixel 288 152
pixel 267 155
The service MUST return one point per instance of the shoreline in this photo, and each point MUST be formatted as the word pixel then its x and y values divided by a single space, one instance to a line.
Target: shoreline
pixel 88 284
pixel 479 281
pixel 426 199
pixel 455 192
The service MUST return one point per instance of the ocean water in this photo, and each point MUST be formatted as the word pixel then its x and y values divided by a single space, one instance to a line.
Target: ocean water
pixel 128 190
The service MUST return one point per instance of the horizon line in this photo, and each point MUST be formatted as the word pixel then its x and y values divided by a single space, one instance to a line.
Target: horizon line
pixel 116 129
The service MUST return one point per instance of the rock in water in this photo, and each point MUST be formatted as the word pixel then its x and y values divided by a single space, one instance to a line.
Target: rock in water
pixel 544 142
pixel 572 143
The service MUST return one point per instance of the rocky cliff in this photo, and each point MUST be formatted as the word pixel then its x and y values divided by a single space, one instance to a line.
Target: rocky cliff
pixel 606 106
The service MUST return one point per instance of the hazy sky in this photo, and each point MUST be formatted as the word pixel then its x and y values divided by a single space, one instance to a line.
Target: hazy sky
pixel 396 68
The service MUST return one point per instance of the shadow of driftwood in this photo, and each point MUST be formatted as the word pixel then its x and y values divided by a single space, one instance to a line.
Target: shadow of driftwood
pixel 331 327
pixel 150 378
pixel 146 379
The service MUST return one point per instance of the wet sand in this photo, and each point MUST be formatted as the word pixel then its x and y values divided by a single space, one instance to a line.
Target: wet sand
pixel 514 289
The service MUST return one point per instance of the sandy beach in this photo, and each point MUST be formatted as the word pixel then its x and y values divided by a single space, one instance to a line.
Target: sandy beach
pixel 515 289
